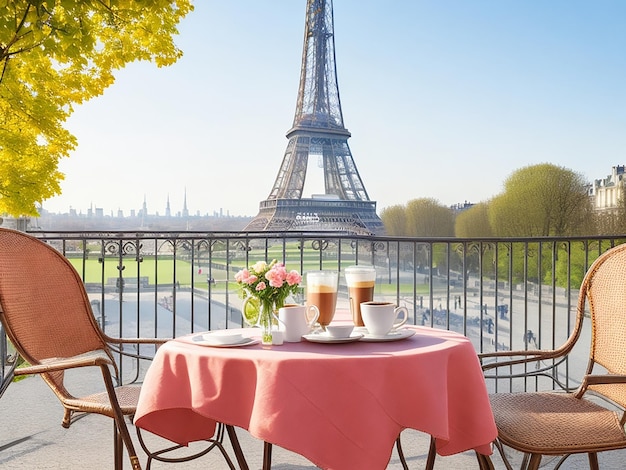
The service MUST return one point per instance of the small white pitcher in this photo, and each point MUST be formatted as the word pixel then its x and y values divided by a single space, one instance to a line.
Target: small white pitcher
pixel 294 321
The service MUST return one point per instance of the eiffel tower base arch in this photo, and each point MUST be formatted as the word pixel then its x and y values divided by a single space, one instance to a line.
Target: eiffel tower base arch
pixel 301 215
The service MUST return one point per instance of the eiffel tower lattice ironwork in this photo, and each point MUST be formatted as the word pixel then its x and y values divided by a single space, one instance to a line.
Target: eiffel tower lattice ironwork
pixel 318 131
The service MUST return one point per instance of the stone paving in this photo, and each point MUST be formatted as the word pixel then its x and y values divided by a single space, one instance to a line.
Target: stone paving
pixel 31 437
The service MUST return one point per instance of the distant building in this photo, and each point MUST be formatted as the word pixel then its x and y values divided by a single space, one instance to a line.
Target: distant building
pixel 607 193
pixel 19 223
pixel 460 207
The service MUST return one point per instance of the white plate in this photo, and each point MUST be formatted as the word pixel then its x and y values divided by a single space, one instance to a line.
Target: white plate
pixel 223 337
pixel 203 341
pixel 397 335
pixel 326 338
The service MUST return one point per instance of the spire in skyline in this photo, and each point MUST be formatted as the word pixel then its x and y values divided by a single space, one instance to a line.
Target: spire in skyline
pixel 185 211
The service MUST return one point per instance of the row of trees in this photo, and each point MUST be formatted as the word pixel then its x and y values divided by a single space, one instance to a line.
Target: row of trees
pixel 563 263
pixel 538 200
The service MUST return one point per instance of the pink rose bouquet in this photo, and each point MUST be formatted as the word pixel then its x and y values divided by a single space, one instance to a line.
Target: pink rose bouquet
pixel 270 283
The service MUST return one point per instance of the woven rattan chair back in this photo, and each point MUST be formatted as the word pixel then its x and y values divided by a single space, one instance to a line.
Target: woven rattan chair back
pixel 605 288
pixel 47 316
pixel 45 310
pixel 565 422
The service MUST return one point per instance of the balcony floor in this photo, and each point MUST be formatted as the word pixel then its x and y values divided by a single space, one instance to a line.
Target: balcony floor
pixel 31 437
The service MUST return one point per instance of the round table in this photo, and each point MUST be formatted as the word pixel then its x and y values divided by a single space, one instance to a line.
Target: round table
pixel 342 406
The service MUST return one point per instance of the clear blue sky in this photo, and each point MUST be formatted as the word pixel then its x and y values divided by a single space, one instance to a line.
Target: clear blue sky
pixel 444 99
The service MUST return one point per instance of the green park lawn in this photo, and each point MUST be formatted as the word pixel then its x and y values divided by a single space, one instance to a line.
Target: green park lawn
pixel 163 270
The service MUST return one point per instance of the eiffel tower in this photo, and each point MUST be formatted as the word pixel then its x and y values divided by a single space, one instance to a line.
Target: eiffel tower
pixel 318 131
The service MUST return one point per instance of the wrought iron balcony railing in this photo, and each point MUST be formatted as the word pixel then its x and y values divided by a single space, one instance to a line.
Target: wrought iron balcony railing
pixel 501 293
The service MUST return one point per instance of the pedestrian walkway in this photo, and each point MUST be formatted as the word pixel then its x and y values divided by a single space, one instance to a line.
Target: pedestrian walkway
pixel 31 437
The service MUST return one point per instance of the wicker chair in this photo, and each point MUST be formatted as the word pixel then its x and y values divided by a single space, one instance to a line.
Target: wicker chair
pixel 590 418
pixel 47 316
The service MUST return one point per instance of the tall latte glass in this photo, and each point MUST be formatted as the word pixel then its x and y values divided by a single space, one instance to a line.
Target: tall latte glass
pixel 321 291
pixel 360 280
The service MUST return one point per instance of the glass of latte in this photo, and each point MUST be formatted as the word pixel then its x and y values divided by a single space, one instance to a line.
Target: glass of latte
pixel 360 280
pixel 321 291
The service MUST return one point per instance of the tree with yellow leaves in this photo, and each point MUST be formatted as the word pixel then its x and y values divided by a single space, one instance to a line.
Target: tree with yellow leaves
pixel 543 200
pixel 55 54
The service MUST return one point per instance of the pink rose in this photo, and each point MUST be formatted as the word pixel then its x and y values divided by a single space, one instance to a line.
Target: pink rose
pixel 242 275
pixel 260 286
pixel 293 277
pixel 277 275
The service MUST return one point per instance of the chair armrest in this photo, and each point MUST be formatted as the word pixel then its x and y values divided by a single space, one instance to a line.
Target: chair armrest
pixel 511 358
pixel 590 380
pixel 116 345
pixel 96 358
pixel 157 341
pixel 603 379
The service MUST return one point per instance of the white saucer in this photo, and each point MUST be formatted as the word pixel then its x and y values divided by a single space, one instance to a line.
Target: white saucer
pixel 202 340
pixel 396 335
pixel 326 338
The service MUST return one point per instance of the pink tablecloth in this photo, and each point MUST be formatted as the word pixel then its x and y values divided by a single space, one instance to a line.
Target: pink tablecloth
pixel 340 405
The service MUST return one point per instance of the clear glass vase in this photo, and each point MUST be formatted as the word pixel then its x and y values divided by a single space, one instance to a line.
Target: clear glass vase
pixel 266 320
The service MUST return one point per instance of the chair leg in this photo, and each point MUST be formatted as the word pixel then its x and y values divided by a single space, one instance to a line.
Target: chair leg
pixel 118 449
pixel 234 441
pixel 120 424
pixel 401 454
pixel 267 455
pixel 593 461
pixel 525 461
pixel 500 448
pixel 535 460
pixel 67 418
pixel 484 462
pixel 432 453
pixel 217 441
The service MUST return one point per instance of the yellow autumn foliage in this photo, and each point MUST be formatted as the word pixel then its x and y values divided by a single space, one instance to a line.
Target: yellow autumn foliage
pixel 55 54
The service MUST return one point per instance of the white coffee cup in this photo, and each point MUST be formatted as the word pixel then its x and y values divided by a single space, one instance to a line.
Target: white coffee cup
pixel 382 317
pixel 297 320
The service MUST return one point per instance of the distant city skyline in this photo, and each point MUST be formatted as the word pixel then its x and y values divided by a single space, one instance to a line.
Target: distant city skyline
pixel 168 210
pixel 444 99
